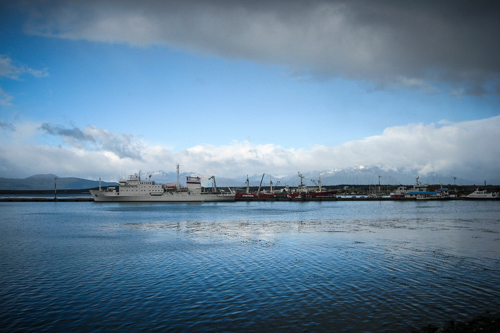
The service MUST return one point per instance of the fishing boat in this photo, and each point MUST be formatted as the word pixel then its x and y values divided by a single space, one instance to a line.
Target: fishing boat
pixel 247 195
pixel 303 193
pixel 417 190
pixel 440 194
pixel 137 190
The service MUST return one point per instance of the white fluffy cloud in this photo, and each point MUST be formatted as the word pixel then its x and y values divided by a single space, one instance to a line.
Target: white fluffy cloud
pixel 467 149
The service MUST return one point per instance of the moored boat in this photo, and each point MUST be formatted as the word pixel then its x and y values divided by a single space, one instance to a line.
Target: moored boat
pixel 417 190
pixel 399 192
pixel 482 195
pixel 303 193
pixel 137 190
pixel 441 194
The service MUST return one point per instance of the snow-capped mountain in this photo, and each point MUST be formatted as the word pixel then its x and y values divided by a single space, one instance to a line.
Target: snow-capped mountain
pixel 359 175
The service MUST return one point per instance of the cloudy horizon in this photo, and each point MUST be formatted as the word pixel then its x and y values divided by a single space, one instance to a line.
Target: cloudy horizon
pixel 459 149
pixel 101 88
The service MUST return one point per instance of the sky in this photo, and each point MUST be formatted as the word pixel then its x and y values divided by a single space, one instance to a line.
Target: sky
pixel 108 88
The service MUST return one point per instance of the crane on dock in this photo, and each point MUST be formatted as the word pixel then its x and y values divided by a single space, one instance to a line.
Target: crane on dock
pixel 271 184
pixel 214 186
pixel 258 191
pixel 318 183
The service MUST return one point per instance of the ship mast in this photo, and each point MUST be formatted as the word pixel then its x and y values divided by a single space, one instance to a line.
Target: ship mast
pixel 177 185
pixel 301 177
pixel 302 187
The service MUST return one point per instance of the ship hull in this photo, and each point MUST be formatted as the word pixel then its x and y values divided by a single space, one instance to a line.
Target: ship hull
pixel 103 196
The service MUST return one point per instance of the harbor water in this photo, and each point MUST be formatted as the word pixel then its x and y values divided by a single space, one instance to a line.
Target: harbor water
pixel 382 266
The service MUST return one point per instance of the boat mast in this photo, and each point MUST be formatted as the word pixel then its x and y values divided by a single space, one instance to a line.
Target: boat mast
pixel 302 187
pixel 301 177
pixel 379 192
pixel 248 185
pixel 177 185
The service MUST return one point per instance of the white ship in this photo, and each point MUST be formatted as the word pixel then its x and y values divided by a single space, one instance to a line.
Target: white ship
pixel 482 195
pixel 137 190
pixel 399 193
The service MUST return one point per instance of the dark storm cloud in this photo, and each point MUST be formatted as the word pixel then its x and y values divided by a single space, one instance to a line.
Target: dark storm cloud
pixel 73 133
pixel 418 44
pixel 122 145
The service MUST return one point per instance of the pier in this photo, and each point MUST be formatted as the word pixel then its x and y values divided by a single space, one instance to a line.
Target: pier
pixel 342 193
pixel 89 199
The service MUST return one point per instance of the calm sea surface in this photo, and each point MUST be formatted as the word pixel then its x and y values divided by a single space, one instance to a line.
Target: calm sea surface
pixel 379 266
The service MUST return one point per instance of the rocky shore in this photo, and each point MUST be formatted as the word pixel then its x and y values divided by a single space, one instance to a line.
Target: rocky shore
pixel 489 323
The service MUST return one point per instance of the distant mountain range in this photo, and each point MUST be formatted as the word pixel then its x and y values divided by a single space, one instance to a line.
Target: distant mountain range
pixel 46 182
pixel 365 175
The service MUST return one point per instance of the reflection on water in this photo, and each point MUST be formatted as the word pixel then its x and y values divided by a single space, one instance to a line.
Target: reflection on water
pixel 341 266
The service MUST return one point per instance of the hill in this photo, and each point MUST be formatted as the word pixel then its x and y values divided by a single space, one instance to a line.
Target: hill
pixel 46 182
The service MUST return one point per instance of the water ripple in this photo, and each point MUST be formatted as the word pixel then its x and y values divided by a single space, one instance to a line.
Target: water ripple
pixel 375 267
